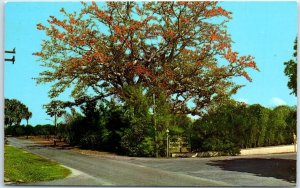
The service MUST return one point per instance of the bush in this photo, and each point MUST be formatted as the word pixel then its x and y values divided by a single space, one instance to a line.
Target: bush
pixel 232 127
pixel 91 141
pixel 134 142
pixel 148 147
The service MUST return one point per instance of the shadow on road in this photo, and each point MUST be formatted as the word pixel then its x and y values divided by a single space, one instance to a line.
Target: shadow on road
pixel 284 169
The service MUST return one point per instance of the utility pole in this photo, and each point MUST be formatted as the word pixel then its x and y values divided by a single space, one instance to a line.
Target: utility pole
pixel 167 131
pixel 55 128
pixel 154 121
pixel 11 52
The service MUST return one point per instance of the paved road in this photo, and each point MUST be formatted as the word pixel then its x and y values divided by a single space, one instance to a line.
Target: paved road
pixel 259 170
pixel 268 170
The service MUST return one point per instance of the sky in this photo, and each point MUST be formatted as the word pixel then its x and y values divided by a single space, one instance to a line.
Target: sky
pixel 265 30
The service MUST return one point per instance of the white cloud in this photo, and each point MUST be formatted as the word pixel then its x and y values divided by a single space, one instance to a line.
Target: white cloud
pixel 277 101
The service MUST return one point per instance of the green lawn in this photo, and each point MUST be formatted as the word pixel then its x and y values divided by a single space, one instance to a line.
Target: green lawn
pixel 23 167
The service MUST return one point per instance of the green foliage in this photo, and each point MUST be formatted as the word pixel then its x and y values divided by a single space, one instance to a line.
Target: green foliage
pixel 148 147
pixel 126 128
pixel 28 130
pixel 15 111
pixel 75 129
pixel 133 129
pixel 291 71
pixel 137 113
pixel 91 141
pixel 234 126
pixel 45 130
pixel 216 131
pixel 221 144
pixel 280 131
pixel 54 108
pixel 113 122
pixel 23 167
pixel 98 127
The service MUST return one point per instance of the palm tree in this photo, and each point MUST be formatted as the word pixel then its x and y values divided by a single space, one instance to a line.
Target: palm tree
pixel 28 115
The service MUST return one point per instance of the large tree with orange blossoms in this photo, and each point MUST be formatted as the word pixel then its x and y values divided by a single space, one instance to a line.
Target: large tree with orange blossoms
pixel 180 48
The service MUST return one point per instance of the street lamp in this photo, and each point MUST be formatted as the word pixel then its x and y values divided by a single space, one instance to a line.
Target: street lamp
pixel 167 131
pixel 295 141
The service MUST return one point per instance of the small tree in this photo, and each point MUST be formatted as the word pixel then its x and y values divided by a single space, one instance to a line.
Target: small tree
pixel 55 109
pixel 28 115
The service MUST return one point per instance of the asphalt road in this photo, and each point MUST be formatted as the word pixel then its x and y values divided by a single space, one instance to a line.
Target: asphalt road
pixel 262 170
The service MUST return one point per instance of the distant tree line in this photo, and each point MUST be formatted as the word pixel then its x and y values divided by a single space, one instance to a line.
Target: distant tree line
pixel 14 112
pixel 134 129
pixel 46 130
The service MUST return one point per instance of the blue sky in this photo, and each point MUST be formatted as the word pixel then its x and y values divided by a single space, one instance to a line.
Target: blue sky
pixel 266 30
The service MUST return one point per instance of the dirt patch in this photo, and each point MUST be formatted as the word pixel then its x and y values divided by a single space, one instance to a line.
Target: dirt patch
pixel 93 152
pixel 63 145
pixel 46 141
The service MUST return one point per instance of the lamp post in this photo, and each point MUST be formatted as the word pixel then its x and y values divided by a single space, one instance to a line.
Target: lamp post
pixel 167 131
pixel 155 130
pixel 295 142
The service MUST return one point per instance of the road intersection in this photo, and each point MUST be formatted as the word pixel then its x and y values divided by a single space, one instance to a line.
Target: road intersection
pixel 263 170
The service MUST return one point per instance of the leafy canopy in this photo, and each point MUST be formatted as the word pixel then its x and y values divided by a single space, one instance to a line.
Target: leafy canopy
pixel 290 70
pixel 182 48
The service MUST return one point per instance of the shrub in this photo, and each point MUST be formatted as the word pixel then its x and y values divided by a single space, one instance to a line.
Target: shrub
pixel 90 141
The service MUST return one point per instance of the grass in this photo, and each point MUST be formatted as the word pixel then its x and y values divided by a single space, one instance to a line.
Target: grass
pixel 23 167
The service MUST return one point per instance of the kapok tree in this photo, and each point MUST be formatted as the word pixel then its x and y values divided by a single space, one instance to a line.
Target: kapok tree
pixel 181 48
